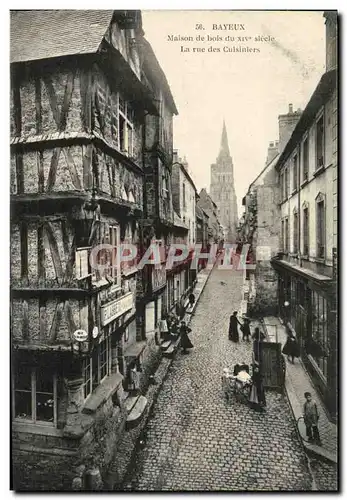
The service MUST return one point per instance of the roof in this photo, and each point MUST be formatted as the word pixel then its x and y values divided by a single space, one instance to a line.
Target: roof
pixel 43 34
pixel 154 69
pixel 319 97
pixel 186 173
pixel 268 166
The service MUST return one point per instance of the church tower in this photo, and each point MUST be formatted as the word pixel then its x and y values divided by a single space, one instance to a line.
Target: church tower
pixel 222 189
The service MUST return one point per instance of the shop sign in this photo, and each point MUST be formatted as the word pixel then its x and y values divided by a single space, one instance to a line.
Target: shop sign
pixel 80 335
pixel 158 278
pixel 116 308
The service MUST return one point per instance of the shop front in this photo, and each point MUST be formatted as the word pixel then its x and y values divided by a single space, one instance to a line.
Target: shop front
pixel 306 304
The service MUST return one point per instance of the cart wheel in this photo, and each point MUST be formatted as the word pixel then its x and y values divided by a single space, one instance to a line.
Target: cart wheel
pixel 302 429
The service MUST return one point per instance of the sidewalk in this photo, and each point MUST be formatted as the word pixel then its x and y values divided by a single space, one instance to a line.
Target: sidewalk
pixel 201 278
pixel 297 382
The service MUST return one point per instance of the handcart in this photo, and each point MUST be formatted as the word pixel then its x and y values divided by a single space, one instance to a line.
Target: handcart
pixel 236 384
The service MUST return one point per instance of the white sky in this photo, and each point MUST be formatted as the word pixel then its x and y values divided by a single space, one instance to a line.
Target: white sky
pixel 248 90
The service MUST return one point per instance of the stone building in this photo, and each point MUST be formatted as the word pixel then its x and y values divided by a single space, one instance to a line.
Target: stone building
pixel 223 190
pixel 206 203
pixel 306 266
pixel 78 108
pixel 184 195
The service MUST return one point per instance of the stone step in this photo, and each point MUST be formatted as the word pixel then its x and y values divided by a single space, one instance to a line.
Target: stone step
pixel 165 345
pixel 130 403
pixel 136 413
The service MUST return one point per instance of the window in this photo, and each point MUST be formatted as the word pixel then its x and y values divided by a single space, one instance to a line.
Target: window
pixel 305 229
pixel 286 184
pixel 320 142
pixel 295 232
pixel 282 186
pixel 305 160
pixel 286 236
pixel 320 207
pixel 295 173
pixel 97 366
pixel 184 195
pixel 320 330
pixel 126 127
pixel 35 394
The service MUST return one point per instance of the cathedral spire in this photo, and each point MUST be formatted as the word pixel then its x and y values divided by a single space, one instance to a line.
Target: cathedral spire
pixel 224 146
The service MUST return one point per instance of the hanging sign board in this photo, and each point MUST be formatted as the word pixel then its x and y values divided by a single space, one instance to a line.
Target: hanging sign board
pixel 80 335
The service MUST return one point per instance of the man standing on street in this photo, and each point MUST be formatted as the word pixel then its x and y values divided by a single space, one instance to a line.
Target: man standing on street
pixel 233 330
pixel 311 417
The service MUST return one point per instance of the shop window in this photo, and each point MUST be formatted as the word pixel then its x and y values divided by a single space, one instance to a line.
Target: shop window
pixel 320 331
pixel 320 143
pixel 97 366
pixel 306 160
pixel 35 395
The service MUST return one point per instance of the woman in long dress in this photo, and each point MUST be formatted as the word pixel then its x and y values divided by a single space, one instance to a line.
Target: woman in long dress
pixel 233 329
pixel 257 393
pixel 291 348
pixel 185 340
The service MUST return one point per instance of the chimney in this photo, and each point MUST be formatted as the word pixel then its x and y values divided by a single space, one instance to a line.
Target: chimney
pixel 175 156
pixel 330 39
pixel 286 125
pixel 272 151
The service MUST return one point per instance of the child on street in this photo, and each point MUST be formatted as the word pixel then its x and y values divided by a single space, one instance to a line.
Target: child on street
pixel 311 417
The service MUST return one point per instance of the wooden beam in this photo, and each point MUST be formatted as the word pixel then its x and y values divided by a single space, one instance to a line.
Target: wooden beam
pixel 41 255
pixel 72 168
pixel 56 322
pixel 52 99
pixel 70 319
pixel 25 320
pixel 40 170
pixel 17 106
pixel 87 154
pixel 43 318
pixel 53 169
pixel 38 106
pixel 69 253
pixel 24 250
pixel 54 251
pixel 19 171
pixel 67 99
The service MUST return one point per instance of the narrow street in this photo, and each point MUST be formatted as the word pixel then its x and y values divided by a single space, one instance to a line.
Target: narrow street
pixel 194 439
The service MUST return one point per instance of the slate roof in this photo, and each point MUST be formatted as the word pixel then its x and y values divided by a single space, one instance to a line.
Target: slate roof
pixel 42 34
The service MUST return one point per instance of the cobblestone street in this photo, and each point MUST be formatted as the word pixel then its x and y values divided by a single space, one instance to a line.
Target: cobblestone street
pixel 195 440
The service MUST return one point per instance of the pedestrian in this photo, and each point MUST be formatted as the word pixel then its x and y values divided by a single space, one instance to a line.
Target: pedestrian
pixel 311 417
pixel 258 337
pixel 233 331
pixel 191 299
pixel 245 329
pixel 257 392
pixel 185 341
pixel 291 347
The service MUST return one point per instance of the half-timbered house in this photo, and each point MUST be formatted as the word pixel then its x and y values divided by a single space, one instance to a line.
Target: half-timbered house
pixel 158 219
pixel 78 107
